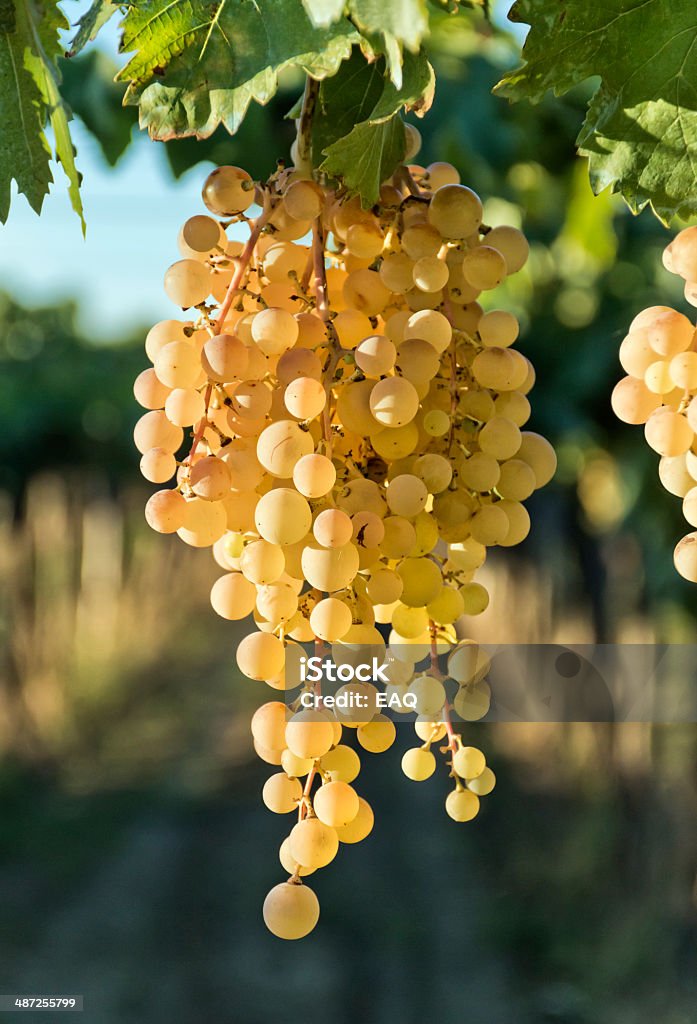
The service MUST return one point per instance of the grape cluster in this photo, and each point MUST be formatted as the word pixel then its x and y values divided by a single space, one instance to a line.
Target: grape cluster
pixel 659 355
pixel 357 446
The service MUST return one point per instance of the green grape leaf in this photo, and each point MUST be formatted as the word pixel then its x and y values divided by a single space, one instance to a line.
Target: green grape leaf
pixel 358 126
pixel 40 60
pixel 404 20
pixel 323 12
pixel 365 157
pixel 25 153
pixel 397 23
pixel 30 94
pixel 388 25
pixel 640 133
pixel 90 24
pixel 197 65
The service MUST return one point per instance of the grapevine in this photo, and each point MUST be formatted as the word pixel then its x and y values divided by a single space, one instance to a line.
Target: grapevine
pixel 357 446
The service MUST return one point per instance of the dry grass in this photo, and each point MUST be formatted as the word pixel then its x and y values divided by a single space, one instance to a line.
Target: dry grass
pixel 112 656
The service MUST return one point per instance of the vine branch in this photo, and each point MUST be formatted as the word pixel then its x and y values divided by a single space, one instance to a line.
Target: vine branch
pixel 241 266
pixel 319 285
pixel 304 139
pixel 437 674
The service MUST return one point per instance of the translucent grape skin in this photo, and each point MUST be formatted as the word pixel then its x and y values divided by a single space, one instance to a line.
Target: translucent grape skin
pixel 346 434
pixel 685 557
pixel 225 191
pixel 658 353
pixel 291 910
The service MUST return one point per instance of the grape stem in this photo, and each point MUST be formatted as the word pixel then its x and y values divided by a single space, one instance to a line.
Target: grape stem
pixel 304 138
pixel 437 674
pixel 448 311
pixel 233 288
pixel 320 290
pixel 244 258
pixel 305 799
pixel 403 175
pixel 203 422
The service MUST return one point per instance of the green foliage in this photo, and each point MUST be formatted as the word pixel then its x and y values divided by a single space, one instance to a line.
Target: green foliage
pixel 640 132
pixel 30 96
pixel 89 88
pixel 390 25
pixel 90 24
pixel 195 69
pixel 211 62
pixel 324 12
pixel 357 127
pixel 198 67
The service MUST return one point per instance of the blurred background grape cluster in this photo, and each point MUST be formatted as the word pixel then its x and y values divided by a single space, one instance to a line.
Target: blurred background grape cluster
pixel 134 849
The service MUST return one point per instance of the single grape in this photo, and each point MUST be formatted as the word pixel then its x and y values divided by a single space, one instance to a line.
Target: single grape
pixel 261 656
pixel 685 557
pixel 303 200
pixel 455 211
pixel 421 579
pixel 305 398
pixel 281 794
pixel 377 735
pixel 484 267
pixel 274 331
pixel 361 826
pixel 418 764
pixel 166 511
pixel 282 516
pixel 178 365
pixel 668 432
pixel 314 475
pixel 462 805
pixel 158 466
pixel 291 910
pixel 330 619
pixel 226 191
pixel 309 734
pixel 233 596
pixel 394 401
pixel 336 803
pixel 268 725
pixel 313 844
pixel 475 598
pixel 342 763
pixel 468 762
pixel 149 390
pixel 498 328
pixel 333 528
pixel 188 283
pixel 483 784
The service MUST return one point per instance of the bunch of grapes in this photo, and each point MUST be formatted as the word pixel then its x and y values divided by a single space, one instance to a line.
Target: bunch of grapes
pixel 660 357
pixel 357 445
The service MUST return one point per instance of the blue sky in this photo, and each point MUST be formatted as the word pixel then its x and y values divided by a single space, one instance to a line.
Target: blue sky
pixel 133 214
